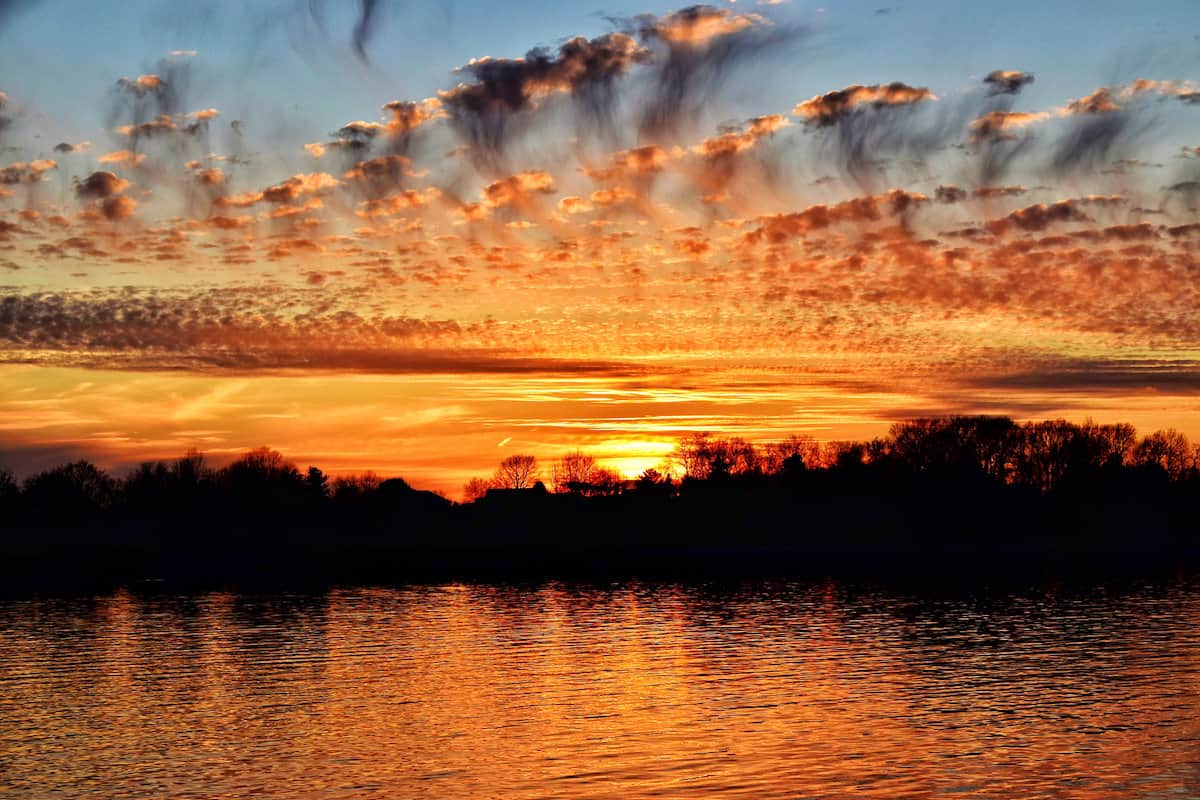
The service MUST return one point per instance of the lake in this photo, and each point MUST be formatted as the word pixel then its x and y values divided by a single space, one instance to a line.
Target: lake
pixel 763 690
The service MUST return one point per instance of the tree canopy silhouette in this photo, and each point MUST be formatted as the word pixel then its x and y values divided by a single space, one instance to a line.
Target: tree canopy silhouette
pixel 965 482
pixel 517 472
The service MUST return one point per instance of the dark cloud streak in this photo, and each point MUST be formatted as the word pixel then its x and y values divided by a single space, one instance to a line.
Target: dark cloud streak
pixel 701 46
pixel 227 330
pixel 484 110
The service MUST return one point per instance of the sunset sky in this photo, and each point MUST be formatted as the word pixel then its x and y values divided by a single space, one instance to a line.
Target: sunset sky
pixel 415 236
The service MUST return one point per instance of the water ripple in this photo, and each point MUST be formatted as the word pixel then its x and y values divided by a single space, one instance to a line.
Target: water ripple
pixel 623 691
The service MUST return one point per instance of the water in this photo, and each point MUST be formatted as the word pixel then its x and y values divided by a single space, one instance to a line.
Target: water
pixel 629 691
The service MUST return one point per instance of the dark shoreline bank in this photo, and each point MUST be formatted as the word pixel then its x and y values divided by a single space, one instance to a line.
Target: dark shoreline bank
pixel 947 499
pixel 603 539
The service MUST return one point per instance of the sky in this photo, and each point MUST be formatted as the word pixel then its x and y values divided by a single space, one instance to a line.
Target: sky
pixel 415 237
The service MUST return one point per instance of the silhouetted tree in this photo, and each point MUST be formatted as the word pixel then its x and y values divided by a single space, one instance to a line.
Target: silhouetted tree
pixel 191 470
pixel 517 472
pixel 983 445
pixel 649 479
pixel 719 464
pixel 72 488
pixel 574 472
pixel 844 455
pixel 9 490
pixel 150 478
pixel 701 456
pixel 693 455
pixel 741 456
pixel 578 473
pixel 1110 442
pixel 1169 449
pixel 150 488
pixel 316 482
pixel 654 483
pixel 802 447
pixel 988 444
pixel 603 482
pixel 263 472
pixel 1088 449
pixel 476 489
pixel 354 487
pixel 1044 453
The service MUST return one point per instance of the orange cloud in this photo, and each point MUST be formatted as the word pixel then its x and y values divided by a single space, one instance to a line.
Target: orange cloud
pixel 1108 99
pixel 125 158
pixel 1039 217
pixel 700 24
pixel 574 205
pixel 472 212
pixel 503 84
pixel 990 192
pixel 518 190
pixel 403 118
pixel 396 203
pixel 143 84
pixel 996 125
pixel 159 125
pixel 100 185
pixel 778 228
pixel 26 172
pixel 288 191
pixel 388 170
pixel 118 207
pixel 407 116
pixel 613 196
pixel 212 176
pixel 826 109
pixel 358 129
pixel 229 223
pixel 1007 81
pixel 734 142
pixel 626 164
pixel 67 147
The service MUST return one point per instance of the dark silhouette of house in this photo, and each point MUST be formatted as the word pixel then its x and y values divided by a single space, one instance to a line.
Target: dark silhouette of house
pixel 517 497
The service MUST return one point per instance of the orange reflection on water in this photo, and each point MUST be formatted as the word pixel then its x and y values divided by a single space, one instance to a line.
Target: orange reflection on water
pixel 622 691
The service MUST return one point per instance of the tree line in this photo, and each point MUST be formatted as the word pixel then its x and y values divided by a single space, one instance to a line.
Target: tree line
pixel 932 494
pixel 262 474
pixel 1034 454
